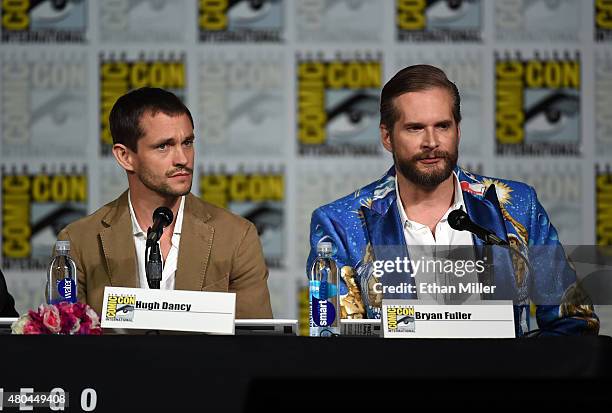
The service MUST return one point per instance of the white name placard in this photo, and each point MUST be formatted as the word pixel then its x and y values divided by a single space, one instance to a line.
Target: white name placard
pixel 417 319
pixel 177 310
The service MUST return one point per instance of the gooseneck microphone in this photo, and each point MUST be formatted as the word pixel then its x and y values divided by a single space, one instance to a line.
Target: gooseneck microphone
pixel 459 220
pixel 162 217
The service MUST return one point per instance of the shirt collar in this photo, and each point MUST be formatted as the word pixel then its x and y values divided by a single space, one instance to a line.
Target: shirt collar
pixel 178 225
pixel 457 204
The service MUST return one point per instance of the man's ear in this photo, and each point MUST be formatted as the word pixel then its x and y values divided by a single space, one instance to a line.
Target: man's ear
pixel 124 156
pixel 385 138
pixel 458 134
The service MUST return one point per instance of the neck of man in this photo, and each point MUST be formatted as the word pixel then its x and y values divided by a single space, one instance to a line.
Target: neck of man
pixel 145 202
pixel 426 205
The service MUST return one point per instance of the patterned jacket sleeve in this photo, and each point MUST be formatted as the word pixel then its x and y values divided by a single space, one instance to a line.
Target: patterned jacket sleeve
pixel 559 311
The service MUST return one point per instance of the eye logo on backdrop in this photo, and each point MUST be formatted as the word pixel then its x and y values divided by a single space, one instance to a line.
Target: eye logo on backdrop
pixel 257 195
pixel 537 20
pixel 36 205
pixel 121 73
pixel 603 204
pixel 130 20
pixel 44 21
pixel 603 20
pixel 465 69
pixel 240 20
pixel 44 101
pixel 343 20
pixel 242 103
pixel 537 104
pixel 337 108
pixel 438 20
pixel 603 103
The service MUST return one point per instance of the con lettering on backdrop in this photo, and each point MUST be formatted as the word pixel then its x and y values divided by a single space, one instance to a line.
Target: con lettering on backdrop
pixel 537 103
pixel 603 103
pixel 37 202
pixel 121 72
pixel 242 104
pixel 337 103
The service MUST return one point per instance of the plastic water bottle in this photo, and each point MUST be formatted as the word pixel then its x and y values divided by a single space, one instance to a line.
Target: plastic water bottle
pixel 324 294
pixel 61 276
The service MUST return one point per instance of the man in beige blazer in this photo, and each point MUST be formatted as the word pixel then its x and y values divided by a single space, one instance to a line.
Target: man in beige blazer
pixel 205 248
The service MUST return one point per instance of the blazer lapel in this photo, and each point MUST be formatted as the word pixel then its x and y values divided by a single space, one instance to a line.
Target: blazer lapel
pixel 195 246
pixel 118 245
pixel 386 235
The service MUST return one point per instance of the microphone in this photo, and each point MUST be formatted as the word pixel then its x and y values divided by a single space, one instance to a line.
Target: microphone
pixel 162 217
pixel 460 221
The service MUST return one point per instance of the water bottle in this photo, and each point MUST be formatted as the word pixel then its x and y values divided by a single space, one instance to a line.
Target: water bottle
pixel 61 276
pixel 324 294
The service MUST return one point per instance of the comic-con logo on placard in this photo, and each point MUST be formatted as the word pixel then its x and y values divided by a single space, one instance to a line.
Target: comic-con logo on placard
pixel 120 307
pixel 120 73
pixel 603 204
pixel 242 103
pixel 339 21
pixel 257 195
pixel 131 20
pixel 603 103
pixel 537 20
pixel 44 97
pixel 438 20
pixel 240 20
pixel 400 318
pixel 537 104
pixel 603 20
pixel 44 20
pixel 337 104
pixel 36 205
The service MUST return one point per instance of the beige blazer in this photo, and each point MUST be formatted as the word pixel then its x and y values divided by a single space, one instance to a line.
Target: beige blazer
pixel 218 251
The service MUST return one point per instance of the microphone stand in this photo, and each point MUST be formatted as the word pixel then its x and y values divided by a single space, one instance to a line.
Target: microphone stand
pixel 153 265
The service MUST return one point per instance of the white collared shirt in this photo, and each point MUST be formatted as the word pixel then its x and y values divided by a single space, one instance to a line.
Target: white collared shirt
pixel 418 234
pixel 140 242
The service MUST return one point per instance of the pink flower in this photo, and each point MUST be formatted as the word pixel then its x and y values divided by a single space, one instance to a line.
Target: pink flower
pixel 51 318
pixel 32 328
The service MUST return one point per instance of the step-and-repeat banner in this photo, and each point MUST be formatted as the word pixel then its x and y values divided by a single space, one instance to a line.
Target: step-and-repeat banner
pixel 285 100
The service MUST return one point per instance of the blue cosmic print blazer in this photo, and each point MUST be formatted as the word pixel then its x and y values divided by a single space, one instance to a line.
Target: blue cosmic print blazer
pixel 359 224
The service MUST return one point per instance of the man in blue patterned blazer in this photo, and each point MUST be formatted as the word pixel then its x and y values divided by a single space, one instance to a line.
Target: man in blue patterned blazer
pixel 410 205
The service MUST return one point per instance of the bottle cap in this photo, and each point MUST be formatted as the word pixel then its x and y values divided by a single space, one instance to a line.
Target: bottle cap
pixel 62 246
pixel 324 247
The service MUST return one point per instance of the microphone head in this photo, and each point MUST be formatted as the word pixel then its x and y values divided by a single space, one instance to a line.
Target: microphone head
pixel 459 220
pixel 164 215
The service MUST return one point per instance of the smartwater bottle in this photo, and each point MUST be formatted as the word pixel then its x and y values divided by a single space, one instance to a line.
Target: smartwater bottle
pixel 324 294
pixel 61 276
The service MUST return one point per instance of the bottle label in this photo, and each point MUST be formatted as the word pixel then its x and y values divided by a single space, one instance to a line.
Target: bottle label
pixel 66 289
pixel 323 312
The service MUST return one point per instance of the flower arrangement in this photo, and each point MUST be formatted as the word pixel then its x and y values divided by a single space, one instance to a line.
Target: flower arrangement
pixel 63 318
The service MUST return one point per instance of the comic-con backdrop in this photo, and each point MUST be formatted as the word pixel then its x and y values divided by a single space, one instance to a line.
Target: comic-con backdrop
pixel 285 99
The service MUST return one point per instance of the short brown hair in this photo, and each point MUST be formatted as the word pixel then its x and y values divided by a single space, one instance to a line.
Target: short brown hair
pixel 125 115
pixel 415 78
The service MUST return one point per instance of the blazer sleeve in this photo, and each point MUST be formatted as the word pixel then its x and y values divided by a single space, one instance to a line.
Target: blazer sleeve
pixel 249 277
pixel 324 229
pixel 553 287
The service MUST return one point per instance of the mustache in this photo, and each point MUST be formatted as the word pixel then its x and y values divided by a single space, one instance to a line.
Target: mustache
pixel 179 170
pixel 431 154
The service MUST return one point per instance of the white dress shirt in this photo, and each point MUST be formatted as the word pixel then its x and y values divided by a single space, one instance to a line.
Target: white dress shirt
pixel 171 261
pixel 422 245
